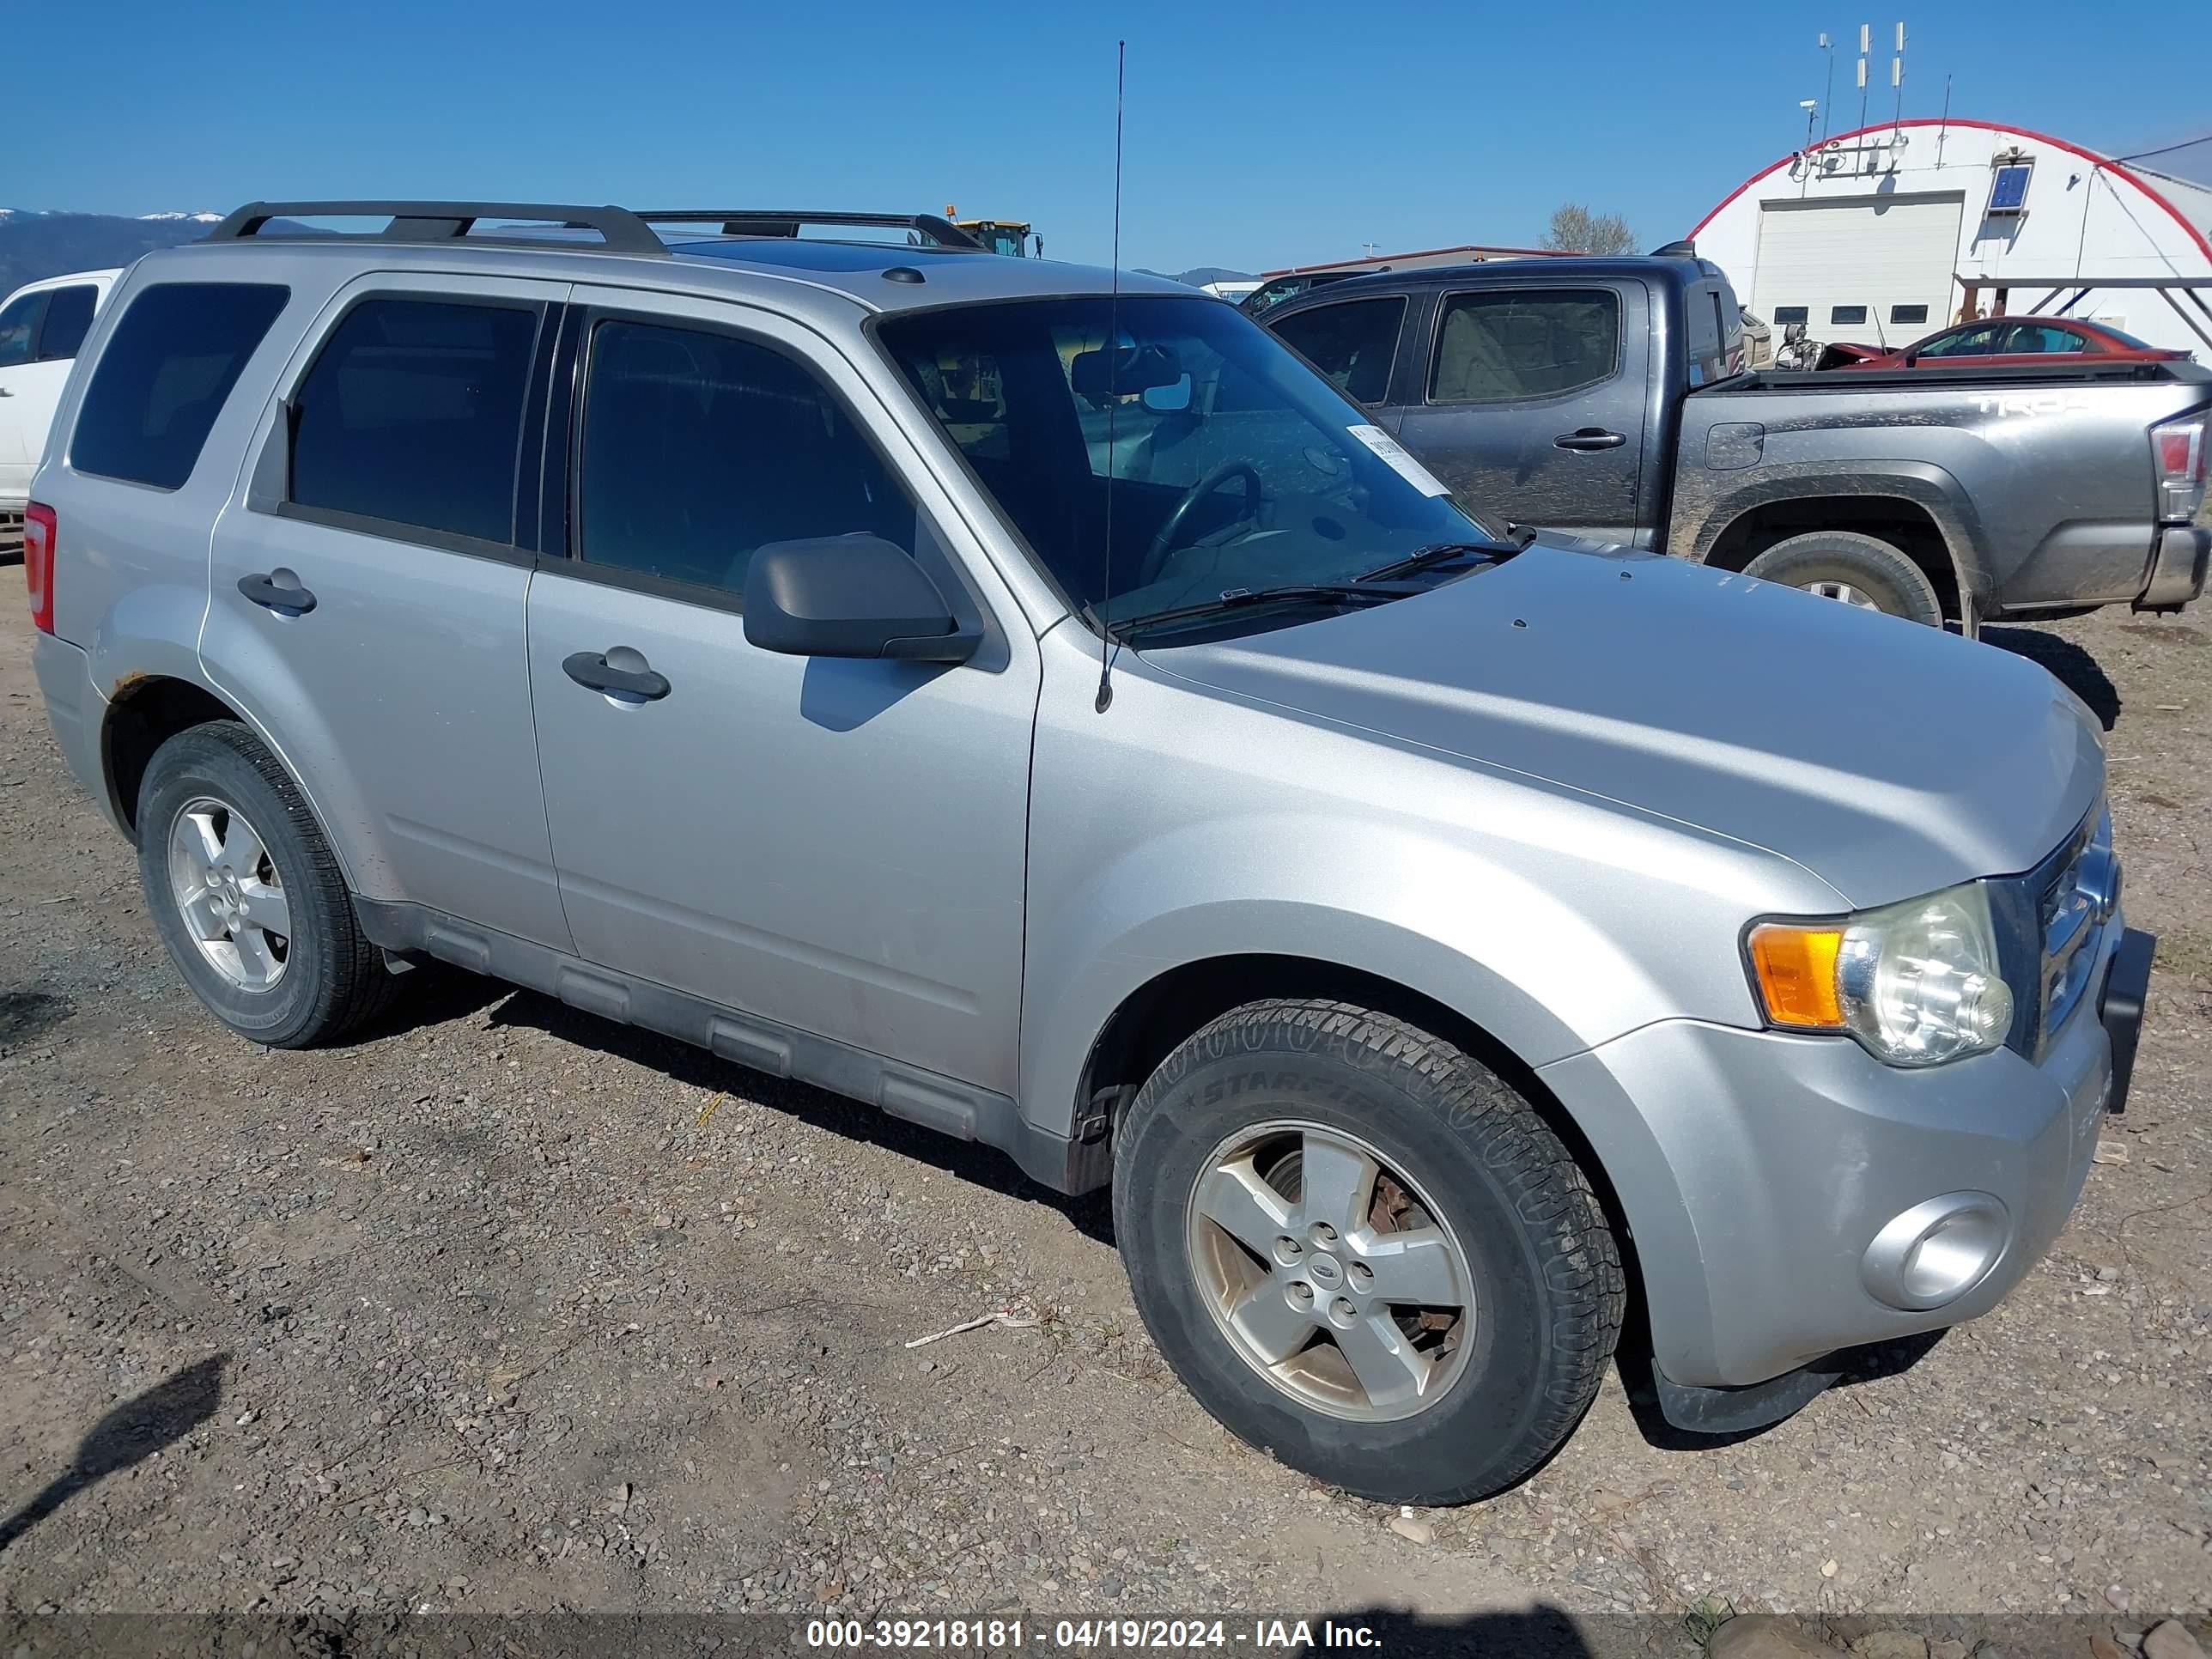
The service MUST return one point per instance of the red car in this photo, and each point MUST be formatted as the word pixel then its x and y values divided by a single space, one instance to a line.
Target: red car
pixel 2006 342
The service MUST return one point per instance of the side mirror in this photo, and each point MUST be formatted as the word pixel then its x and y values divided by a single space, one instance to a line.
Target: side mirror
pixel 850 596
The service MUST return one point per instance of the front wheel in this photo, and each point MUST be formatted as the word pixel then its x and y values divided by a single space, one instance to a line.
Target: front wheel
pixel 1856 568
pixel 1365 1252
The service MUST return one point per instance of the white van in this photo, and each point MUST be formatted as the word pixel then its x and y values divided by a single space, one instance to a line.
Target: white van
pixel 41 325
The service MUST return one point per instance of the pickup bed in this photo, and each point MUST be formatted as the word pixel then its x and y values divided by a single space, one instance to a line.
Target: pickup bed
pixel 1604 397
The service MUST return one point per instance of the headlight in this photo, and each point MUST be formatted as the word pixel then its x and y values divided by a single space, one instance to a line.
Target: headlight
pixel 1916 983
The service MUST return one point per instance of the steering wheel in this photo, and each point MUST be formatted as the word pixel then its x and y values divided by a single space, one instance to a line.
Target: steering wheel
pixel 1156 555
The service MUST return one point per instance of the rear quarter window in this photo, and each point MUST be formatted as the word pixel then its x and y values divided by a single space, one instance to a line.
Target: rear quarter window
pixel 166 372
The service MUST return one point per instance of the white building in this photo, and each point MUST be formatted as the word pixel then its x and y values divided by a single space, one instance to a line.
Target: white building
pixel 1874 235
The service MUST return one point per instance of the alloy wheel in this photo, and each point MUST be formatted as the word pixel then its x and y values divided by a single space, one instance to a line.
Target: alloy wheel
pixel 230 894
pixel 1329 1272
pixel 1844 592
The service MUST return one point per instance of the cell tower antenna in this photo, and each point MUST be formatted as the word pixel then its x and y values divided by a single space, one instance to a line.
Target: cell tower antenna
pixel 1897 78
pixel 1828 95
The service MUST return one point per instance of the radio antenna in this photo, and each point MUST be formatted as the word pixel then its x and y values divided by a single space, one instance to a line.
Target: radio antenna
pixel 1113 387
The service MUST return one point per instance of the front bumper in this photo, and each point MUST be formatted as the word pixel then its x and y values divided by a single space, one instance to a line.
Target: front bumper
pixel 2176 568
pixel 1757 1169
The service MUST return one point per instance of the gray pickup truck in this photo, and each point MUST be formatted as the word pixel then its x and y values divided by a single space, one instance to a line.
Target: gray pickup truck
pixel 1602 397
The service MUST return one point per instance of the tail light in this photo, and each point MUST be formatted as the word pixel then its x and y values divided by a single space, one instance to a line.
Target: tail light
pixel 39 564
pixel 2177 453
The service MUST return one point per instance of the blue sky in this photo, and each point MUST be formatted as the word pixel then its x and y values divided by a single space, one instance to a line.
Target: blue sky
pixel 1258 134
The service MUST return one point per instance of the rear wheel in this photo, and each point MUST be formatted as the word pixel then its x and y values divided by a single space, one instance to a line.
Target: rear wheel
pixel 246 894
pixel 1856 568
pixel 1365 1252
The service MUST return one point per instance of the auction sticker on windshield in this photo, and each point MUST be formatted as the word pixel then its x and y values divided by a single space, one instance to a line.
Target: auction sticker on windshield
pixel 1398 458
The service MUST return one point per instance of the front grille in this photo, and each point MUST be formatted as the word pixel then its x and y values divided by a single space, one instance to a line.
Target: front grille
pixel 2073 908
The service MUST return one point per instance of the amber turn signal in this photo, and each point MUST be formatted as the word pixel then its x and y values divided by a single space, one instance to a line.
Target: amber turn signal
pixel 1797 972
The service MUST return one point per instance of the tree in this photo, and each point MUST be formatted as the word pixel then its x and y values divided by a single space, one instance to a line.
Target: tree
pixel 1575 229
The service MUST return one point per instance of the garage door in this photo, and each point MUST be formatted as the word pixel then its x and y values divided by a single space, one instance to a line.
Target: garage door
pixel 1875 269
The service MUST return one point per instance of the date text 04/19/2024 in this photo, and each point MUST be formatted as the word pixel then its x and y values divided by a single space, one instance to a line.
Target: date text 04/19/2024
pixel 1079 1635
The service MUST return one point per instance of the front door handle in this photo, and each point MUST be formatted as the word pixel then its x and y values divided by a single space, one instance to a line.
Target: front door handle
pixel 1590 437
pixel 278 590
pixel 596 670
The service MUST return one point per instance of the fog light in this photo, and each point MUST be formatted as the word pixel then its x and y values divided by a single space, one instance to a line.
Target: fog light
pixel 1936 1251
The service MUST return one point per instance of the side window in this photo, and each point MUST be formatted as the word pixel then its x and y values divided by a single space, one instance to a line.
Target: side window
pixel 69 319
pixel 2040 337
pixel 1497 348
pixel 1967 343
pixel 966 391
pixel 700 449
pixel 163 376
pixel 19 325
pixel 1352 344
pixel 412 414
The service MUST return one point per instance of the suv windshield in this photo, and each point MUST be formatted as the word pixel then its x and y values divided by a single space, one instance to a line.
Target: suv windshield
pixel 1229 464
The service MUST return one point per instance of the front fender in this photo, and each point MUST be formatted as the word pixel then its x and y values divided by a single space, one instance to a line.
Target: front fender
pixel 1547 970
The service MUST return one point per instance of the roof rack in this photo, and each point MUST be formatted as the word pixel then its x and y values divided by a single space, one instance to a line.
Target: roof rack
pixel 621 229
pixel 762 221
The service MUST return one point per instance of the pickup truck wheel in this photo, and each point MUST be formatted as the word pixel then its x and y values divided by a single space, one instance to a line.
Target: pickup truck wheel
pixel 247 896
pixel 1365 1252
pixel 1858 569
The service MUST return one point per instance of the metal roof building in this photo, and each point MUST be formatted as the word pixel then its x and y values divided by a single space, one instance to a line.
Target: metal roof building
pixel 1886 234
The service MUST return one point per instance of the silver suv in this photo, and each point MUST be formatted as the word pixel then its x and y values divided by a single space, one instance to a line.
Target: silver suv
pixel 1045 709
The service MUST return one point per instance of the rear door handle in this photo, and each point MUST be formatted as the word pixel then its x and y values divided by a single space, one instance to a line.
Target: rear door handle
pixel 1590 437
pixel 592 669
pixel 278 590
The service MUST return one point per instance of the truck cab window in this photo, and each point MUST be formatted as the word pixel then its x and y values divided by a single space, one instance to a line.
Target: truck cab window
pixel 1353 343
pixel 1502 347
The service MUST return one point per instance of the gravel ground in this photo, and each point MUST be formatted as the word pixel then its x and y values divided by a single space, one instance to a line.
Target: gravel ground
pixel 503 1307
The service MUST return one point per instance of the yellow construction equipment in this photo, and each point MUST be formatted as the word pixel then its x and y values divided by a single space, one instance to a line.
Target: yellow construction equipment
pixel 1013 237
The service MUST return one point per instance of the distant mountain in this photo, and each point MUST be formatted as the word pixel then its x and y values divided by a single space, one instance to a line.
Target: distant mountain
pixel 35 245
pixel 1200 276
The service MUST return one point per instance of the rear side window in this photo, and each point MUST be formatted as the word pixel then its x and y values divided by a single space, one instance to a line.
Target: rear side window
pixel 163 376
pixel 699 448
pixel 1496 347
pixel 68 319
pixel 412 415
pixel 1352 344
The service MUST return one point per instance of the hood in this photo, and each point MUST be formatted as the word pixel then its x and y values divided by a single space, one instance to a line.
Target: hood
pixel 1888 758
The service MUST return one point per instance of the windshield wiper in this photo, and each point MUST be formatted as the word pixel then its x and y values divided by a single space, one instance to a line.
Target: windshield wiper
pixel 1238 598
pixel 1428 558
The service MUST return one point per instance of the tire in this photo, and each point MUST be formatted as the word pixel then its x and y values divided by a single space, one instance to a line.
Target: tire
pixel 1866 566
pixel 218 817
pixel 1479 1172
